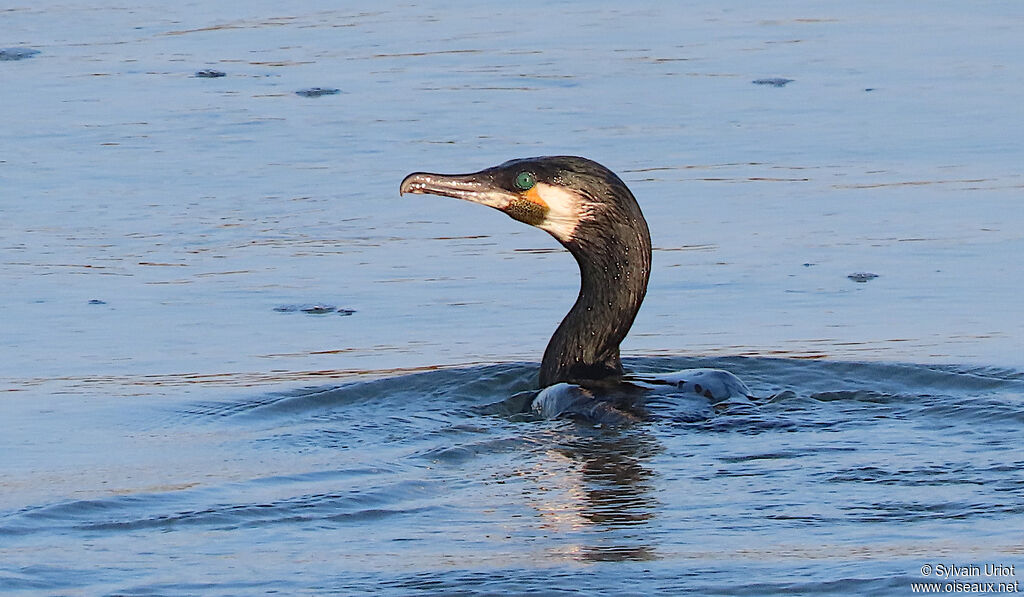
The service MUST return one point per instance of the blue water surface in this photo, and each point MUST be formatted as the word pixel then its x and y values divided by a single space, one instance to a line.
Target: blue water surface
pixel 236 362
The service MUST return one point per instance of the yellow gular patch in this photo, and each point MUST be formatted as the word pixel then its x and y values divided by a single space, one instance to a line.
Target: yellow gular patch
pixel 534 195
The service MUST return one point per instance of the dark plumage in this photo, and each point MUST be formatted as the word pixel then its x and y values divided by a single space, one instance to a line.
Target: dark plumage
pixel 588 209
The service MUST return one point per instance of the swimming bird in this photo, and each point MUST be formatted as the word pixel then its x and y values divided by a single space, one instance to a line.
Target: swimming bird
pixel 594 215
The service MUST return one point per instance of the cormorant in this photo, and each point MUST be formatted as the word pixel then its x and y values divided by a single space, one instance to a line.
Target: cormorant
pixel 592 213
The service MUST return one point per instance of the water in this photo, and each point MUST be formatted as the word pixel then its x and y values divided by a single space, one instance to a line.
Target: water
pixel 167 431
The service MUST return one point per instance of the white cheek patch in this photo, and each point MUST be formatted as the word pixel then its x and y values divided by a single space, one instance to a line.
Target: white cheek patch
pixel 565 210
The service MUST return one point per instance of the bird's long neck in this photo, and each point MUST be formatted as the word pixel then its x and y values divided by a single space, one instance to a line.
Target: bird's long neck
pixel 615 264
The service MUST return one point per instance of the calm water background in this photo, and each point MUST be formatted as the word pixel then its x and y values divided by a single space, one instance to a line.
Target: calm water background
pixel 166 431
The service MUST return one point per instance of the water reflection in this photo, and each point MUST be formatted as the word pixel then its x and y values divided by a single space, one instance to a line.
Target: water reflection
pixel 595 489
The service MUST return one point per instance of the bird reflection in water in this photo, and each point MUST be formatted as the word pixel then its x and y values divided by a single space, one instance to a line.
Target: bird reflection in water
pixel 592 486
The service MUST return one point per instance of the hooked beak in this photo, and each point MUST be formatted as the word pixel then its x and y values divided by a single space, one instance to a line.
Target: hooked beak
pixel 477 187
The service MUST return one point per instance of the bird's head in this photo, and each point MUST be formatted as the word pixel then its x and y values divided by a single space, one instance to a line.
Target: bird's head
pixel 559 194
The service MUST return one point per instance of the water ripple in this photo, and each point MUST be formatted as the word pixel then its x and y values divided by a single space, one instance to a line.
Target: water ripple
pixel 423 466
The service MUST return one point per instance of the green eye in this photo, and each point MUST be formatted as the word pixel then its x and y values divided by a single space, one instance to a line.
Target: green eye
pixel 525 180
